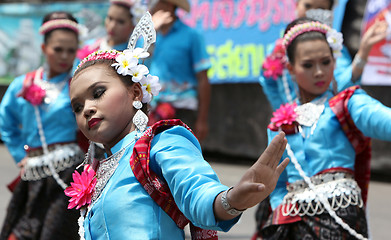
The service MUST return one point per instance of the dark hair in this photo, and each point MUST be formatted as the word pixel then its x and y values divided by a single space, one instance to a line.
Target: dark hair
pixel 331 4
pixel 125 7
pixel 307 36
pixel 58 15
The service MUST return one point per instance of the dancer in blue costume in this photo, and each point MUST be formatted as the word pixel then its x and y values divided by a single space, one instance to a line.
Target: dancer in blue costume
pixel 109 94
pixel 119 25
pixel 280 88
pixel 320 194
pixel 39 130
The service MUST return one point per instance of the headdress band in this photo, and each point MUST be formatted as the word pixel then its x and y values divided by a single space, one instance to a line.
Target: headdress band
pixel 100 54
pixel 334 38
pixel 58 23
pixel 303 28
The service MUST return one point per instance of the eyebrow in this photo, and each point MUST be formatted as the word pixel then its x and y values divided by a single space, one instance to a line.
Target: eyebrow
pixel 88 89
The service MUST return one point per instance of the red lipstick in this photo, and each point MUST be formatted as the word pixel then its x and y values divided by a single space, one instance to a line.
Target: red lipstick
pixel 320 84
pixel 93 122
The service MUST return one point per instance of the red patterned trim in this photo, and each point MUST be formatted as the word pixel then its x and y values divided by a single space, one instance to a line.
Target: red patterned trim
pixel 361 143
pixel 157 188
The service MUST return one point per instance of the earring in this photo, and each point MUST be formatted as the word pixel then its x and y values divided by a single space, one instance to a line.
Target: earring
pixel 140 119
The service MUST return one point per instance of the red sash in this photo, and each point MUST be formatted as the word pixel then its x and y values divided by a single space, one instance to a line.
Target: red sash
pixel 361 144
pixel 158 189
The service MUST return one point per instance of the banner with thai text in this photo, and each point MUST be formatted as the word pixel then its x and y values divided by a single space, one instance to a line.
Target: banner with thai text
pixel 378 68
pixel 238 33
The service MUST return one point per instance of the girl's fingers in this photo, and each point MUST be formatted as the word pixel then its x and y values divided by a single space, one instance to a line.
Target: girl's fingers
pixel 271 153
pixel 280 168
pixel 281 152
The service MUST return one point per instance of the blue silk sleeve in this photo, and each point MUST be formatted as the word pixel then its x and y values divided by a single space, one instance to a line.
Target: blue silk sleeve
pixel 176 156
pixel 370 115
pixel 10 121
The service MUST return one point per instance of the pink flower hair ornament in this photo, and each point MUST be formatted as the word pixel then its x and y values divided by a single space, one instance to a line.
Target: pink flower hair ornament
pixel 274 64
pixel 81 188
pixel 334 38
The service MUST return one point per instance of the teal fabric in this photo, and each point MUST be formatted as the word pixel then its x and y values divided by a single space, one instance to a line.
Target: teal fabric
pixel 18 123
pixel 126 211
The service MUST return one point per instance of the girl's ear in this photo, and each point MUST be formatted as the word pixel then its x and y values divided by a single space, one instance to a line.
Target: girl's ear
pixel 289 66
pixel 43 48
pixel 136 92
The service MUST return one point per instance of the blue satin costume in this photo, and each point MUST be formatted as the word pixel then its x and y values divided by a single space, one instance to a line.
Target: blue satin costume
pixel 275 92
pixel 18 123
pixel 126 211
pixel 328 147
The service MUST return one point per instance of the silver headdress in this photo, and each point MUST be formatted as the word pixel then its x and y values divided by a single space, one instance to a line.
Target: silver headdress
pixel 322 15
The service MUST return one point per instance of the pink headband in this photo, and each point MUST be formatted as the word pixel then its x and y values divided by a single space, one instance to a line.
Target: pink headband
pixel 58 23
pixel 303 28
pixel 100 54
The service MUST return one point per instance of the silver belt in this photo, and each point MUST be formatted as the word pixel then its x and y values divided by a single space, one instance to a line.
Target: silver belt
pixel 60 157
pixel 339 188
pixel 318 179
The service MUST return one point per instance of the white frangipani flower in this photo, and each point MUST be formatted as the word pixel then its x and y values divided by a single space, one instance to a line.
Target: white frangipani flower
pixel 138 72
pixel 137 53
pixel 150 86
pixel 335 40
pixel 124 64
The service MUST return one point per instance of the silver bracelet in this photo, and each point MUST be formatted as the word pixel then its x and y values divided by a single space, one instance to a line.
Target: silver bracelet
pixel 359 62
pixel 227 207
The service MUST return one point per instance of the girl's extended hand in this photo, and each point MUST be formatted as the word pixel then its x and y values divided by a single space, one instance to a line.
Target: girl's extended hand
pixel 258 181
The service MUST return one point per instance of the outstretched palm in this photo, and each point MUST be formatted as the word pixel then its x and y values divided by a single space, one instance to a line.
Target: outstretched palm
pixel 260 180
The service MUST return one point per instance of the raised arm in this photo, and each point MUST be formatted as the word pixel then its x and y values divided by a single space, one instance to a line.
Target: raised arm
pixel 258 181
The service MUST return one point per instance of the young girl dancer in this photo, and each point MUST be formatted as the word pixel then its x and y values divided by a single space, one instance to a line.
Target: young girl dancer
pixel 277 83
pixel 154 181
pixel 39 130
pixel 322 193
pixel 119 25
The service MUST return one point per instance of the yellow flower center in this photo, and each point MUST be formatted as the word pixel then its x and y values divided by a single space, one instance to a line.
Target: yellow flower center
pixel 149 88
pixel 125 63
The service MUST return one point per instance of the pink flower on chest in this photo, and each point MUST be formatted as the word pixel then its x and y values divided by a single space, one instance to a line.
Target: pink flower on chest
pixel 34 94
pixel 81 189
pixel 285 115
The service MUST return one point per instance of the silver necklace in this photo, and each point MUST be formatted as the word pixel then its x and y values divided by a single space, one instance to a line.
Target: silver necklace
pixel 106 169
pixel 52 90
pixel 308 114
